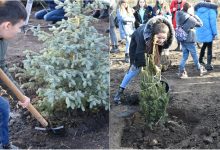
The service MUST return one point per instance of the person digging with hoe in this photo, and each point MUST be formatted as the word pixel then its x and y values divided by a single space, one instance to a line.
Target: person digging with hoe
pixel 12 18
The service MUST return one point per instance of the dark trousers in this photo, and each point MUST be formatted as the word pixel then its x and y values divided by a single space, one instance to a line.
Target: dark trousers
pixel 209 52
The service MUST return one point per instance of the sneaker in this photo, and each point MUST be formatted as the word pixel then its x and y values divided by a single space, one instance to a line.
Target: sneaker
pixel 127 58
pixel 202 71
pixel 114 49
pixel 183 75
pixel 118 95
pixel 209 67
pixel 9 146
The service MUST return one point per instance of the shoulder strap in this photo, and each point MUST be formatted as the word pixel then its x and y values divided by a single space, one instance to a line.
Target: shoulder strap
pixel 185 21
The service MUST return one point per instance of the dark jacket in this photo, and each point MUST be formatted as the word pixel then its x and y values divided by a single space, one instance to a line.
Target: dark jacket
pixel 3 66
pixel 142 36
pixel 51 5
pixel 147 15
pixel 3 48
pixel 189 25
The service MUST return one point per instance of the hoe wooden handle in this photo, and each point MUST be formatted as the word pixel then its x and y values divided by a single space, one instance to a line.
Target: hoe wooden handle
pixel 21 97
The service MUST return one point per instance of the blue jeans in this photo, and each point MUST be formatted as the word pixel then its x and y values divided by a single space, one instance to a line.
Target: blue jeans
pixel 114 40
pixel 133 71
pixel 50 15
pixel 4 118
pixel 128 41
pixel 186 49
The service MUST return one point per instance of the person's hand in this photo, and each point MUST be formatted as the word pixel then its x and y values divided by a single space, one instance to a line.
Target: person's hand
pixel 25 103
pixel 174 9
pixel 158 12
pixel 216 37
pixel 158 70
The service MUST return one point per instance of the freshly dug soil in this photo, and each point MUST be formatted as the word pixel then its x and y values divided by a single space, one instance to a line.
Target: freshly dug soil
pixel 193 110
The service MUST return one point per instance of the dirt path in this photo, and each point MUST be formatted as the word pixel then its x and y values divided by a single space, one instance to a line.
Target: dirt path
pixel 193 110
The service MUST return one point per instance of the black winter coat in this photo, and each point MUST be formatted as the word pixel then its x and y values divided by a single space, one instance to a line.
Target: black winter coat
pixel 142 36
pixel 147 15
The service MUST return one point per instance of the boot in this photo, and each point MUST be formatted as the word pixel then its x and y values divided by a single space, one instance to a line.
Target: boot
pixel 119 93
pixel 209 60
pixel 201 55
pixel 201 58
pixel 96 13
pixel 104 14
pixel 127 58
pixel 114 49
pixel 9 146
pixel 201 61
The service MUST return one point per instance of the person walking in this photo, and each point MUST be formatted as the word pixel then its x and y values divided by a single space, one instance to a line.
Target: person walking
pixel 207 12
pixel 188 21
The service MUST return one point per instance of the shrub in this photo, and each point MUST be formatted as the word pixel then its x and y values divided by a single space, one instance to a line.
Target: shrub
pixel 73 68
pixel 153 96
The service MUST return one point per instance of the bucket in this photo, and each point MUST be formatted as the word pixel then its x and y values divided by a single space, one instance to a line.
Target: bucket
pixel 166 85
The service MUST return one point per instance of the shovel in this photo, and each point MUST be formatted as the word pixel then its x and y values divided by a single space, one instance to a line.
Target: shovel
pixel 30 107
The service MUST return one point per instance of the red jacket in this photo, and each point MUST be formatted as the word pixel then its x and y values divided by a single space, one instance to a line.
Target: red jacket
pixel 173 10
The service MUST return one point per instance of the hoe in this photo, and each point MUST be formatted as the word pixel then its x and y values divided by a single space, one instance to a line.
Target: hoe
pixel 30 107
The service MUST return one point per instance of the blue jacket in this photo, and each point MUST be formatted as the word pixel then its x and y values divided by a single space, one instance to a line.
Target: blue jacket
pixel 207 12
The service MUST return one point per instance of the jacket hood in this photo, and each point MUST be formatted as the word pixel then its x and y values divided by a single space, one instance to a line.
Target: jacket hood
pixel 149 28
pixel 204 6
